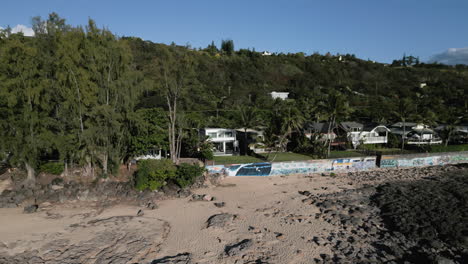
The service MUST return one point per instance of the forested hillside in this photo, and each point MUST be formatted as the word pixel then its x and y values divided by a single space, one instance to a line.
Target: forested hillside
pixel 85 97
pixel 375 91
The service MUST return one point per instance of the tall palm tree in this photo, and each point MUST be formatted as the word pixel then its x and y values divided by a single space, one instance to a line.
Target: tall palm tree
pixel 292 120
pixel 406 109
pixel 248 118
pixel 336 107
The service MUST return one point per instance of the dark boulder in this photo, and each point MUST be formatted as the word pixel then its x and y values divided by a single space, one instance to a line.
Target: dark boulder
pixel 30 209
pixel 237 248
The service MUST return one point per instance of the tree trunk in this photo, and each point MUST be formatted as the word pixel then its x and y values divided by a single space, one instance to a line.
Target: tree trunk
pixel 403 136
pixel 88 170
pixel 31 174
pixel 178 146
pixel 79 100
pixel 330 140
pixel 245 142
pixel 65 168
pixel 448 137
pixel 105 161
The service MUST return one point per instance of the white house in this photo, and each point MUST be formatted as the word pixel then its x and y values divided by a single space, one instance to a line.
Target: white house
pixel 224 140
pixel 266 53
pixel 280 95
pixel 365 134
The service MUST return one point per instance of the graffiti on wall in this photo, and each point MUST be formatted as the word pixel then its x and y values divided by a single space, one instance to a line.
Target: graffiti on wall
pixel 423 160
pixel 298 167
pixel 339 165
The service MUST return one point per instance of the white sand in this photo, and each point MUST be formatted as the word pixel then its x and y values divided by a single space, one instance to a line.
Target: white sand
pixel 268 204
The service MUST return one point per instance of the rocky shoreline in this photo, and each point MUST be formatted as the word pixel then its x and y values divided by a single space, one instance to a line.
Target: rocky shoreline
pixel 399 221
pixel 414 215
pixel 107 192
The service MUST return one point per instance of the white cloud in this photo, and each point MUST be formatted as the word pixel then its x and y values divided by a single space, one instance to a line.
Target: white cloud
pixel 27 31
pixel 452 56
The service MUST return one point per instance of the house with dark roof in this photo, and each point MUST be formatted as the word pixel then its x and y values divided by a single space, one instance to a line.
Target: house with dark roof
pixel 352 132
pixel 370 133
pixel 415 133
pixel 458 133
pixel 326 131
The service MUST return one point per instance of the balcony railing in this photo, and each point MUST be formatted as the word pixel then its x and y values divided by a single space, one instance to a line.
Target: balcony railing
pixel 375 140
pixel 222 139
pixel 433 141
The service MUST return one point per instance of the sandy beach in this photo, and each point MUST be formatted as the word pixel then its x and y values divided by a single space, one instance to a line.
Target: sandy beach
pixel 262 220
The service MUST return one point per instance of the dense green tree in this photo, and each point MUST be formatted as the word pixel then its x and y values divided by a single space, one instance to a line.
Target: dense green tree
pixel 336 108
pixel 24 103
pixel 85 97
pixel 227 46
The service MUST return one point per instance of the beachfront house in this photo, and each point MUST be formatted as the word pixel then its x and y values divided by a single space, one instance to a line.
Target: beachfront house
pixel 415 133
pixel 458 133
pixel 224 140
pixel 326 131
pixel 370 133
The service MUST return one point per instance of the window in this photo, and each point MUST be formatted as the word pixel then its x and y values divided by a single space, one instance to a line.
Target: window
pixel 218 147
pixel 228 134
pixel 212 135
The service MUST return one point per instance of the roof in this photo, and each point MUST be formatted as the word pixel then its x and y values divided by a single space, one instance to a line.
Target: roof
pixel 319 127
pixel 349 125
pixel 459 128
pixel 372 126
pixel 217 128
pixel 250 130
pixel 406 124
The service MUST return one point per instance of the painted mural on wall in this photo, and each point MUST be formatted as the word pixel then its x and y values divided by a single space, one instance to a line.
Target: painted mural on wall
pixel 423 160
pixel 339 165
pixel 288 168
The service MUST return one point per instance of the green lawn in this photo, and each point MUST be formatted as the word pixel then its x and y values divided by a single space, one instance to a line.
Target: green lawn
pixel 335 154
pixel 235 159
pixel 289 156
pixel 449 148
pixel 280 157
pixel 286 156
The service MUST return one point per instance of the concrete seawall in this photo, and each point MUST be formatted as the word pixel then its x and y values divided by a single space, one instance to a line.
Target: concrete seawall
pixel 426 159
pixel 339 165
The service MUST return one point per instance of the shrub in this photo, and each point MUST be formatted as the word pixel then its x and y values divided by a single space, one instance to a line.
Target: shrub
pixel 187 174
pixel 55 168
pixel 153 174
pixel 394 141
pixel 206 151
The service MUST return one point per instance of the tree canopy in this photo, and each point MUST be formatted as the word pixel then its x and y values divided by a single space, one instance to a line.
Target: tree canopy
pixel 86 97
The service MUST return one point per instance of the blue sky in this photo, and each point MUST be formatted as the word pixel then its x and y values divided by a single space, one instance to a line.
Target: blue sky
pixel 371 29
